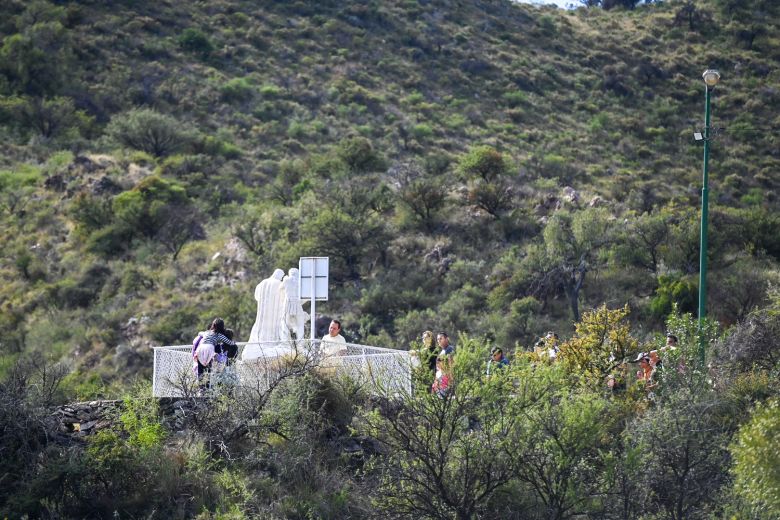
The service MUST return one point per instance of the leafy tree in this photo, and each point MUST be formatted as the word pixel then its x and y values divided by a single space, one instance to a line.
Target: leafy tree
pixel 149 131
pixel 556 450
pixel 684 456
pixel 182 223
pixel 359 155
pixel 47 117
pixel 351 243
pixel 445 457
pixel 601 343
pixel 573 245
pixel 145 209
pixel 674 291
pixel 485 169
pixel 424 195
pixel 757 460
pixel 35 60
pixel 641 243
pixel 484 162
pixel 193 40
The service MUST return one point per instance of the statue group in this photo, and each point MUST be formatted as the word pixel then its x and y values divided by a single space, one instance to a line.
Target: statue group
pixel 280 314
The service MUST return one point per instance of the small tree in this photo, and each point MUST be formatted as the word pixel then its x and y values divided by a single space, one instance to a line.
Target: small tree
pixel 602 342
pixel 149 131
pixel 757 459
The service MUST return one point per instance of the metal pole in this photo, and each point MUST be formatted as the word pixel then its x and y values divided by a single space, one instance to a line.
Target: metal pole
pixel 704 219
pixel 312 332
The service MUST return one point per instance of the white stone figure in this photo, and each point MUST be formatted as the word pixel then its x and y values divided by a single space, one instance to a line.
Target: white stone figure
pixel 270 310
pixel 294 317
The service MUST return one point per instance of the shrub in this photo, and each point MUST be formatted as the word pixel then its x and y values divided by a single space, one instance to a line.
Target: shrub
pixel 484 162
pixel 757 461
pixel 193 40
pixel 237 90
pixel 672 290
pixel 149 131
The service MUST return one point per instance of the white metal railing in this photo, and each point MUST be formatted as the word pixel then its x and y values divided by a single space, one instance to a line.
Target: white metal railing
pixel 383 370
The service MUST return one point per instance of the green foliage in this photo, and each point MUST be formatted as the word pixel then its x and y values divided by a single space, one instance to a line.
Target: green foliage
pixel 672 290
pixel 149 131
pixel 756 465
pixel 178 327
pixel 237 90
pixel 483 162
pixel 602 342
pixel 147 207
pixel 23 175
pixel 359 155
pixel 193 40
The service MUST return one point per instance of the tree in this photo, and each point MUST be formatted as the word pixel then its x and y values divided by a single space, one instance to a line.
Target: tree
pixel 359 155
pixel 446 456
pixel 47 117
pixel 757 460
pixel 556 451
pixel 422 194
pixel 485 169
pixel 573 244
pixel 149 131
pixel 602 342
pixel 684 458
pixel 144 209
pixel 642 241
pixel 182 223
pixel 352 243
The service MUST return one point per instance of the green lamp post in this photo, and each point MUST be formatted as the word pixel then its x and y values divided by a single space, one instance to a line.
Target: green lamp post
pixel 711 78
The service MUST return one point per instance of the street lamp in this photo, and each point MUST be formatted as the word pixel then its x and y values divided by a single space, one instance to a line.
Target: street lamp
pixel 711 78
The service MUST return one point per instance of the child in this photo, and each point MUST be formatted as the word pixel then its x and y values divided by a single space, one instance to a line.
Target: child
pixel 441 383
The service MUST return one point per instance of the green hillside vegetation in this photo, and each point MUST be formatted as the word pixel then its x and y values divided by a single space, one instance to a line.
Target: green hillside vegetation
pixel 488 168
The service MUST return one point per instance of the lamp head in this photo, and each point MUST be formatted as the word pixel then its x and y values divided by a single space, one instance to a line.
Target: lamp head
pixel 711 77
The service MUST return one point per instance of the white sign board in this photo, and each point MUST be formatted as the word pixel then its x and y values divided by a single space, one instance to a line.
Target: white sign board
pixel 313 281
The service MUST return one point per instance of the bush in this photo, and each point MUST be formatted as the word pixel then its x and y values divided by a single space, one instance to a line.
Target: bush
pixel 149 131
pixel 757 460
pixel 193 40
pixel 237 90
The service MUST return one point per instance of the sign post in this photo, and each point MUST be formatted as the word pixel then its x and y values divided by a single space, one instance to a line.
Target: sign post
pixel 313 284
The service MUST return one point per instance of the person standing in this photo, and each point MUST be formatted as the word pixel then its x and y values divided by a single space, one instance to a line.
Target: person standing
pixel 333 343
pixel 445 347
pixel 497 361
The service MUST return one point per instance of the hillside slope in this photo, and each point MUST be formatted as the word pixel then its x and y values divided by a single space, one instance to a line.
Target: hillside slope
pixel 480 167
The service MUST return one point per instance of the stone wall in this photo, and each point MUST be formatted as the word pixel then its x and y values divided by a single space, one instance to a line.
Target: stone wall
pixel 89 417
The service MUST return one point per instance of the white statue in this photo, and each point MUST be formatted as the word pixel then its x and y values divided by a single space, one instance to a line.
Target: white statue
pixel 294 317
pixel 270 310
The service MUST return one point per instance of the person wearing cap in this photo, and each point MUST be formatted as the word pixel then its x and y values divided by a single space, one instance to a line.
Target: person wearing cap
pixel 496 360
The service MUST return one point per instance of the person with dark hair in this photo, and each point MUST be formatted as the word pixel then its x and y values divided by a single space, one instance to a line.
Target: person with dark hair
pixel 333 343
pixel 210 345
pixel 443 340
pixel 497 360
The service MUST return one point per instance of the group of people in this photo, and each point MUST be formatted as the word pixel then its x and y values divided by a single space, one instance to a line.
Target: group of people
pixel 438 357
pixel 213 351
pixel 650 362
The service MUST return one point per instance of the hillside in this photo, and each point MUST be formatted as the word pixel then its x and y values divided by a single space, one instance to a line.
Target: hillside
pixel 487 168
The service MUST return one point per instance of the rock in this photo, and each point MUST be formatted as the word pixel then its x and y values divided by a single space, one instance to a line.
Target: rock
pixel 571 195
pixel 597 202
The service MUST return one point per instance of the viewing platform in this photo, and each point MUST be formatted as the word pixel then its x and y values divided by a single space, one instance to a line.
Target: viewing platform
pixel 384 371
